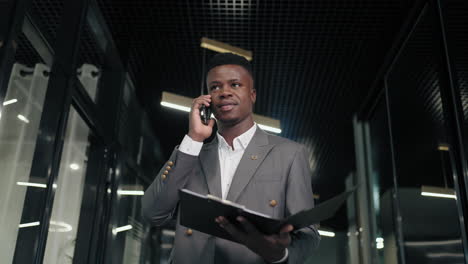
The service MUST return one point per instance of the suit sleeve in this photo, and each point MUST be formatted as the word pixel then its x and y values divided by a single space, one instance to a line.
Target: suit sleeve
pixel 299 196
pixel 161 198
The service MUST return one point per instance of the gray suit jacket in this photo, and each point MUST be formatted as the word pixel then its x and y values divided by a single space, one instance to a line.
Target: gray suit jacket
pixel 272 168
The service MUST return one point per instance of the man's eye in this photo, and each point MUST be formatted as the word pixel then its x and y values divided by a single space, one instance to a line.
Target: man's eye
pixel 214 87
pixel 235 85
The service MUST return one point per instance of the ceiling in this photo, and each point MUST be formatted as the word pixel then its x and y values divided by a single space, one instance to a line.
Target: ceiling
pixel 314 62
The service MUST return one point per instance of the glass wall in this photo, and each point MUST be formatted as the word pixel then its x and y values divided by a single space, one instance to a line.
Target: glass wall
pixel 20 116
pixel 410 163
pixel 425 191
pixel 63 225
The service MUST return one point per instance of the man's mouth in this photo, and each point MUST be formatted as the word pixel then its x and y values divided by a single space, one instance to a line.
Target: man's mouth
pixel 226 106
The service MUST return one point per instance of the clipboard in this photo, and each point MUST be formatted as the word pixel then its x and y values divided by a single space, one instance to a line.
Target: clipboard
pixel 199 211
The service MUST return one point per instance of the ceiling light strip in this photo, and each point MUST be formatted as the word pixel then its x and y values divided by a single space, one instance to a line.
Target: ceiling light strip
pixel 221 47
pixel 438 192
pixel 122 228
pixel 31 184
pixel 326 233
pixel 12 101
pixel 130 192
pixel 29 224
pixel 439 195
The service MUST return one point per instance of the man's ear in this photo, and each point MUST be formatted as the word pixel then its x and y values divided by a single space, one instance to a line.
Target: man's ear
pixel 253 95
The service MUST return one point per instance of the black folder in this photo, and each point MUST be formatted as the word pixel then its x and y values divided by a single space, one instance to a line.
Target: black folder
pixel 199 211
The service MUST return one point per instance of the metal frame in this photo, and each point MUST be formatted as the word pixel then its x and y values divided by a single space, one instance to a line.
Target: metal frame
pixel 10 26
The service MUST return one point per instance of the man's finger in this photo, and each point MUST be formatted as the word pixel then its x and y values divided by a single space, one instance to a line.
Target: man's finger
pixel 284 236
pixel 248 227
pixel 286 229
pixel 236 233
pixel 211 122
pixel 197 103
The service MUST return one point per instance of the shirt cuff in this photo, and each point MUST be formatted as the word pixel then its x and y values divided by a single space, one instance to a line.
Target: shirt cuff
pixel 190 146
pixel 286 254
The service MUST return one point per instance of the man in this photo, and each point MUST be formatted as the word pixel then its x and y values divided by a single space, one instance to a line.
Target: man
pixel 243 164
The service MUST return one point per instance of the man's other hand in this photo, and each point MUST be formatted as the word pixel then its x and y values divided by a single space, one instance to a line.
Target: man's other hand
pixel 270 247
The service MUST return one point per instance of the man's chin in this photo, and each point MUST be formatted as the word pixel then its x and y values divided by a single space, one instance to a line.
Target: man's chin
pixel 227 120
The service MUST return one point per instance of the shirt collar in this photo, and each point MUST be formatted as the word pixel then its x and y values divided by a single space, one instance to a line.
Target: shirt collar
pixel 240 142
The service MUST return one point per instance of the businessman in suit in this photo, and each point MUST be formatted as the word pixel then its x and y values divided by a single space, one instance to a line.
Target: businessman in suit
pixel 243 164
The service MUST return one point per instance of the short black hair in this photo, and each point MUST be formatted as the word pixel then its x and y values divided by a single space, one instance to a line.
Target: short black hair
pixel 228 58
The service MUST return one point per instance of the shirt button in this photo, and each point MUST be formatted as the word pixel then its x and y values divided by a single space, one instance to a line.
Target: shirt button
pixel 170 163
pixel 189 232
pixel 273 203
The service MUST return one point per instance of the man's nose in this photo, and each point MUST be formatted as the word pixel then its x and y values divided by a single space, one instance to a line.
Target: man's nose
pixel 226 91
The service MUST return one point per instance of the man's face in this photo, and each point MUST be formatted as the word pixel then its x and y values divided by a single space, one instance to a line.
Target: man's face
pixel 232 93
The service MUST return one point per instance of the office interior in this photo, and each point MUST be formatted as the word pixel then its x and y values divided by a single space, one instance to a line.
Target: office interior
pixel 376 90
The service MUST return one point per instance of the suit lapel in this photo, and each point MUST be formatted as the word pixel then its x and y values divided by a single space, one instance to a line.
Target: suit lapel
pixel 254 154
pixel 210 165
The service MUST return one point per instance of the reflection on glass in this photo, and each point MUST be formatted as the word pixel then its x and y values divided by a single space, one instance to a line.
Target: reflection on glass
pixel 91 59
pixel 19 124
pixel 128 230
pixel 88 75
pixel 69 191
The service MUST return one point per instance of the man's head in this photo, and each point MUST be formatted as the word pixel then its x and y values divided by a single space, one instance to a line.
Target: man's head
pixel 230 84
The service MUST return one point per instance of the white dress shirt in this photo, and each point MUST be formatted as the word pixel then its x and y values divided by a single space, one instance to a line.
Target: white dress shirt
pixel 229 158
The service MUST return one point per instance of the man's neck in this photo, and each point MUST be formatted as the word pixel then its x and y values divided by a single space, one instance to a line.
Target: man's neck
pixel 230 132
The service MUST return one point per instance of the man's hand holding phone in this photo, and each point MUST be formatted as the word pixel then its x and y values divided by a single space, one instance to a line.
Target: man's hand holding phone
pixel 197 130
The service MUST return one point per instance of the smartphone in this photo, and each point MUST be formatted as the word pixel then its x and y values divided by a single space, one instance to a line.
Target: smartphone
pixel 205 114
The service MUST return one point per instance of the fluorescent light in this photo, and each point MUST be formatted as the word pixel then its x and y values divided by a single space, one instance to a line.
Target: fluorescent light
pixel 269 128
pixel 74 166
pixel 440 195
pixel 176 106
pixel 380 242
pixel 184 104
pixel 438 192
pixel 22 118
pixel 31 184
pixel 130 192
pixel 326 233
pixel 443 147
pixel 29 224
pixel 12 101
pixel 221 47
pixel 121 229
